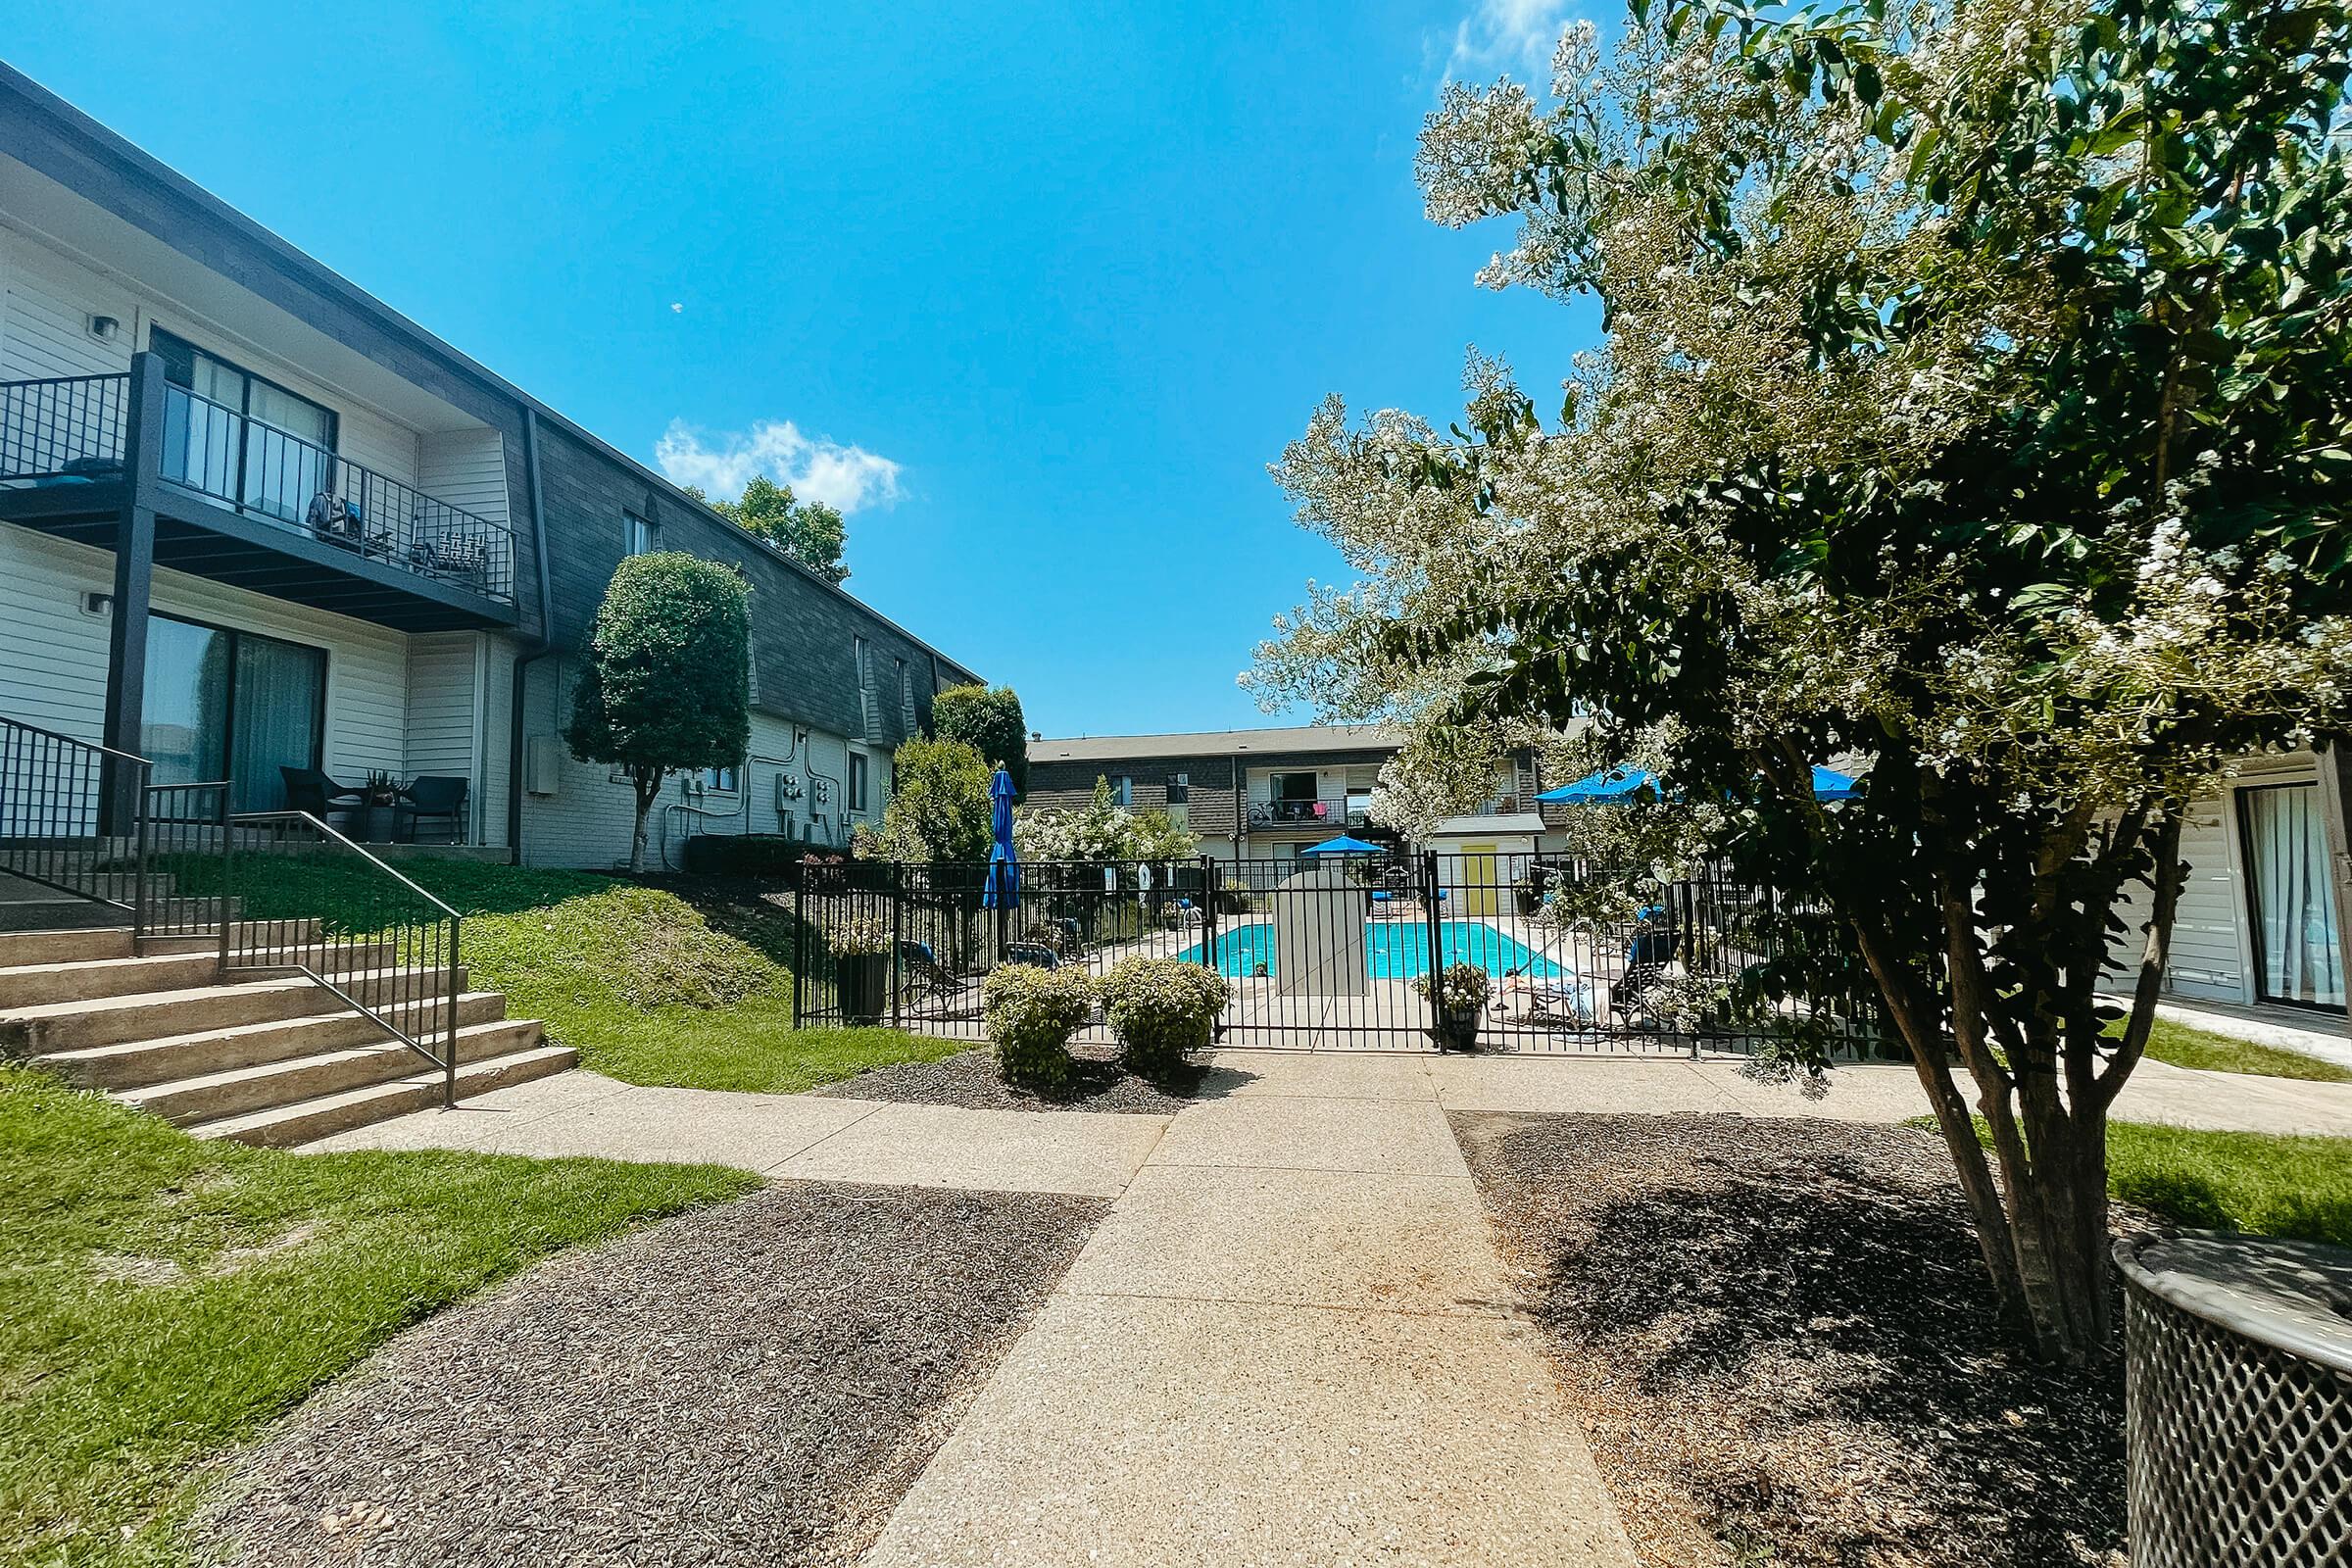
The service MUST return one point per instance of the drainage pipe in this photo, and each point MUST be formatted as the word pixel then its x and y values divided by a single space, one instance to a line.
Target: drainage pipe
pixel 537 648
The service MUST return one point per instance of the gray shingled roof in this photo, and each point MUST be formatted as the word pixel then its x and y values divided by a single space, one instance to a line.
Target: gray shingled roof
pixel 1283 741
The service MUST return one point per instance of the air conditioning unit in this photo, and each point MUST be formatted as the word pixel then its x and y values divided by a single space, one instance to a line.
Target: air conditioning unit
pixel 542 765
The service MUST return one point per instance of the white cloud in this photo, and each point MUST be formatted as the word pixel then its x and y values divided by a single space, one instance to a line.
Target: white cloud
pixel 849 477
pixel 1507 36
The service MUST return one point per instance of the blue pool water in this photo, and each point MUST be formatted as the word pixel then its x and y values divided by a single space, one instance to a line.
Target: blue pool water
pixel 1397 950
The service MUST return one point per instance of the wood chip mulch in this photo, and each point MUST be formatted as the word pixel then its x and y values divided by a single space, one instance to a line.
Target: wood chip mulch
pixel 970 1080
pixel 1780 1342
pixel 757 1383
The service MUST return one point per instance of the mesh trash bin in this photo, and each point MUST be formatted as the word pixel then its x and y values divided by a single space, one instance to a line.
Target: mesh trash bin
pixel 2238 1379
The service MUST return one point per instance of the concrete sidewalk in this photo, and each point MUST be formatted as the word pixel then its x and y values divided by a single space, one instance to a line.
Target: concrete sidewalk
pixel 793 1136
pixel 1290 1342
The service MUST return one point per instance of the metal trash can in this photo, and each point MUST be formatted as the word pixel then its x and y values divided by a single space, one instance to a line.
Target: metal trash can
pixel 2237 1395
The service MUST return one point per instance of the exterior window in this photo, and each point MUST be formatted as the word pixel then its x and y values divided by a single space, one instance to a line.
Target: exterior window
pixel 1179 789
pixel 718 778
pixel 636 536
pixel 858 789
pixel 1292 786
pixel 1122 790
pixel 2290 896
pixel 232 705
pixel 1359 807
pixel 239 437
pixel 906 699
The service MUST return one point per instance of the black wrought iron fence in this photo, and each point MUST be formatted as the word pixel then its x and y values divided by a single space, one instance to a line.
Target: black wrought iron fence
pixel 309 900
pixel 183 828
pixel 55 799
pixel 1345 952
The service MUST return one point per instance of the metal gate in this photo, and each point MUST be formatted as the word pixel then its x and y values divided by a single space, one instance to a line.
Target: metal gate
pixel 1323 953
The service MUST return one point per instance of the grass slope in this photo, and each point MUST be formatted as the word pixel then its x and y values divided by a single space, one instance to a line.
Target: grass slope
pixel 685 983
pixel 2185 1046
pixel 166 1297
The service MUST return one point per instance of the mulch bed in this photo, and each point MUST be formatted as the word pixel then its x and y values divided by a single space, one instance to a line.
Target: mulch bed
pixel 754 1384
pixel 1784 1350
pixel 970 1080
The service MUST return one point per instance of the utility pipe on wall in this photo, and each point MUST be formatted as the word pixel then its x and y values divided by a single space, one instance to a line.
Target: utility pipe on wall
pixel 537 648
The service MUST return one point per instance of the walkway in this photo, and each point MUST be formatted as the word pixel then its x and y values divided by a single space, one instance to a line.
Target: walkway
pixel 1290 1342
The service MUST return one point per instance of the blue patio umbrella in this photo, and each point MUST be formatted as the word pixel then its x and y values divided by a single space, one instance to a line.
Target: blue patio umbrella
pixel 1624 783
pixel 1343 845
pixel 1830 785
pixel 1621 783
pixel 1003 884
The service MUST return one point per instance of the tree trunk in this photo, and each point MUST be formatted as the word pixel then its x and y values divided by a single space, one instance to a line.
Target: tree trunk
pixel 647 792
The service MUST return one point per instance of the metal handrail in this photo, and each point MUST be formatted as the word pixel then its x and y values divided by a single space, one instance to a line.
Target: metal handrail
pixel 445 958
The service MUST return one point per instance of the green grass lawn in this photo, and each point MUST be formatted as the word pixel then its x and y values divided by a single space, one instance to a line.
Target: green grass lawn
pixel 2257 1183
pixel 166 1297
pixel 2185 1046
pixel 685 982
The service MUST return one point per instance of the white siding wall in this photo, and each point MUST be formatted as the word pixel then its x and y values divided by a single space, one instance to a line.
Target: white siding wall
pixel 46 301
pixel 466 468
pixel 55 672
pixel 586 823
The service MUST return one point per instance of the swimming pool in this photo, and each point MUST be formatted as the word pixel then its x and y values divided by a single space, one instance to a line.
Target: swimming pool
pixel 1394 950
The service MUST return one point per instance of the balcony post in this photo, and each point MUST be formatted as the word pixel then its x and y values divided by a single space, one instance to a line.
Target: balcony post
pixel 134 581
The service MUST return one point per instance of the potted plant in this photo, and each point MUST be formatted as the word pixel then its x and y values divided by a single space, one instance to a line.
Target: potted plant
pixel 860 949
pixel 380 819
pixel 1461 993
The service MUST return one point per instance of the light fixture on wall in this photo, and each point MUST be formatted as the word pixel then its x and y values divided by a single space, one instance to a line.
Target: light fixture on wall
pixel 104 328
pixel 94 603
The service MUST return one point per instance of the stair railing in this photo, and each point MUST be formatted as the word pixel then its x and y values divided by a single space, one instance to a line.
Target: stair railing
pixel 54 831
pixel 379 943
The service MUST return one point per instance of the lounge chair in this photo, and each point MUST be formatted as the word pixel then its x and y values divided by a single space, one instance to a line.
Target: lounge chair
pixel 1032 952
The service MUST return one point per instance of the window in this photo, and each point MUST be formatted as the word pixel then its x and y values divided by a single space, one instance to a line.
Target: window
pixel 718 778
pixel 2290 896
pixel 1292 786
pixel 636 535
pixel 239 437
pixel 1359 807
pixel 1179 788
pixel 232 705
pixel 858 792
pixel 1122 790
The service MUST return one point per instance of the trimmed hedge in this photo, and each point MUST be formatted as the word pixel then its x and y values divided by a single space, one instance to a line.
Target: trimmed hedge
pixel 1031 1012
pixel 1159 1009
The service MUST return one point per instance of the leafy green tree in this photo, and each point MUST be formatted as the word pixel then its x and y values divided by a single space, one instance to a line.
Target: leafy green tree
pixel 1971 403
pixel 991 720
pixel 939 808
pixel 811 532
pixel 1100 830
pixel 665 679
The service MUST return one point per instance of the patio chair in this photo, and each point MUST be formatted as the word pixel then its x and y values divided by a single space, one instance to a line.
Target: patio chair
pixel 309 790
pixel 1647 958
pixel 1032 952
pixel 431 797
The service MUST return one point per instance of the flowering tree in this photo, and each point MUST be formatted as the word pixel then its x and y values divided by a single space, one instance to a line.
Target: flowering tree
pixel 1972 402
pixel 1099 830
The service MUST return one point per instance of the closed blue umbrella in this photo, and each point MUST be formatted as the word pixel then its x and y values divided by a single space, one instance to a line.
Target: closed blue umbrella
pixel 1004 885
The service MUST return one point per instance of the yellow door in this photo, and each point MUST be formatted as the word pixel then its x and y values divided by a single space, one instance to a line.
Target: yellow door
pixel 1478 879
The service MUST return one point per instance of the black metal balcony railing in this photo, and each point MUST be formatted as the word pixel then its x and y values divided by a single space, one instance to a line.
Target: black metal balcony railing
pixel 70 431
pixel 1293 814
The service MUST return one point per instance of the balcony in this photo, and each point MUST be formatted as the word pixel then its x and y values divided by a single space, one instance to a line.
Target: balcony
pixel 241 502
pixel 1273 815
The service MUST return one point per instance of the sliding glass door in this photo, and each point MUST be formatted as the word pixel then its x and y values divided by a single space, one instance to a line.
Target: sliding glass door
pixel 2291 898
pixel 233 705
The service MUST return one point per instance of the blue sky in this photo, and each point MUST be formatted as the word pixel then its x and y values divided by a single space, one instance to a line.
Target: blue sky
pixel 1037 296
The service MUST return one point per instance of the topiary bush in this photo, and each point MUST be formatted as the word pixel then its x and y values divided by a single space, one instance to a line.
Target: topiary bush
pixel 1159 1009
pixel 1031 1012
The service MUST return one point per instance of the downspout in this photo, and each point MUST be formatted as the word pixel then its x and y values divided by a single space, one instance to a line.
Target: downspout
pixel 536 648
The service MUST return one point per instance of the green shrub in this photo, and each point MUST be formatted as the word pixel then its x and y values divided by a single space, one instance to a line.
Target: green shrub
pixel 1159 1009
pixel 1031 1014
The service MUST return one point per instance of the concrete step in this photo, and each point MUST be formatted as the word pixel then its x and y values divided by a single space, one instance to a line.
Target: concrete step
pixel 56 912
pixel 265 933
pixel 287 1125
pixel 270 1085
pixel 135 1063
pixel 88 979
pixel 66 945
pixel 50 1027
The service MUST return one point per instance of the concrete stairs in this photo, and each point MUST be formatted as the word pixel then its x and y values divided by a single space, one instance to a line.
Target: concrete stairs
pixel 272 1058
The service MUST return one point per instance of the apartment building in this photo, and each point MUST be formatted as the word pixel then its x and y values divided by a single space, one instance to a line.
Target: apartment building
pixel 254 521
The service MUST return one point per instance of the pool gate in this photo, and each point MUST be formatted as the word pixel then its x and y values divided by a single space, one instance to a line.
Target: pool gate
pixel 1334 951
